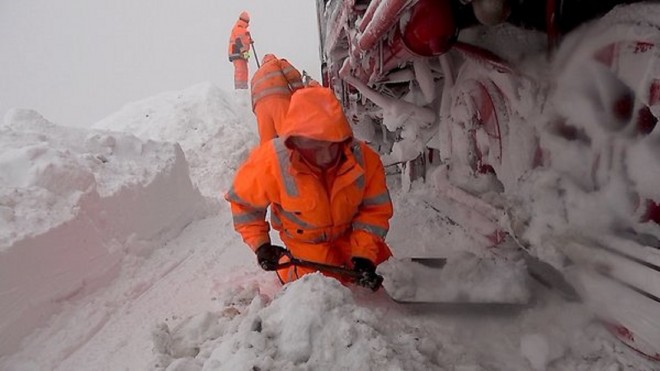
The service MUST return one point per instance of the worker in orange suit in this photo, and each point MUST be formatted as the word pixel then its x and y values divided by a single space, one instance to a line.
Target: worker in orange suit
pixel 239 50
pixel 271 87
pixel 327 193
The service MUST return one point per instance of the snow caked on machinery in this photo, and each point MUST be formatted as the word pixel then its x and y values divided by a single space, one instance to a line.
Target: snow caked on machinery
pixel 518 108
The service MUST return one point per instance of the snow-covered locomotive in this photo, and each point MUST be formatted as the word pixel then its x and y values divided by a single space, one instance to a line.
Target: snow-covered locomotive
pixel 521 108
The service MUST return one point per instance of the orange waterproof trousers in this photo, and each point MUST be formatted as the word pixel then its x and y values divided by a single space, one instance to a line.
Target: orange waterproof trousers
pixel 240 74
pixel 270 112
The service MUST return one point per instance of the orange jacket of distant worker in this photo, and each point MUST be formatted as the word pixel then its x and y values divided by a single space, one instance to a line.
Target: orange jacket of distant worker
pixel 240 39
pixel 327 217
pixel 271 89
pixel 238 51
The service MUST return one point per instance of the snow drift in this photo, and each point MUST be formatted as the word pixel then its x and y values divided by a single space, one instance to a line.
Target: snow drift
pixel 214 132
pixel 198 301
pixel 74 204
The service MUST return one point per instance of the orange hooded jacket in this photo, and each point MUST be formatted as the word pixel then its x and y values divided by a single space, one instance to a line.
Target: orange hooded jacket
pixel 240 39
pixel 327 219
pixel 271 87
pixel 274 77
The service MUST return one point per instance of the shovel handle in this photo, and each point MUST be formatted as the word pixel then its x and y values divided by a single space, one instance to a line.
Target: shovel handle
pixel 349 273
pixel 340 271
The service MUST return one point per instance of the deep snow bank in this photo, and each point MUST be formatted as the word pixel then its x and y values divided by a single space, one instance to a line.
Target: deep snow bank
pixel 214 132
pixel 329 331
pixel 73 203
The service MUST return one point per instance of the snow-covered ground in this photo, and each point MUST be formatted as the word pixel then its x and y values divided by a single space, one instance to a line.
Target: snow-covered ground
pixel 110 259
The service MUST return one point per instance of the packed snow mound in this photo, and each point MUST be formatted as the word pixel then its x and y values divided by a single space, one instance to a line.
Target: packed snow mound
pixel 215 130
pixel 73 203
pixel 313 324
pixel 46 170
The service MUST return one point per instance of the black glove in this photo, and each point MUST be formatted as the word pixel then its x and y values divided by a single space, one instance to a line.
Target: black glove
pixel 269 255
pixel 367 273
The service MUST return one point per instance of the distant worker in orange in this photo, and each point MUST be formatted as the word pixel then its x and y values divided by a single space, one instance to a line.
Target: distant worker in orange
pixel 327 193
pixel 271 87
pixel 239 50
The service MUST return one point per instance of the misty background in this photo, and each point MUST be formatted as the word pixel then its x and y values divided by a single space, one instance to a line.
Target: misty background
pixel 78 61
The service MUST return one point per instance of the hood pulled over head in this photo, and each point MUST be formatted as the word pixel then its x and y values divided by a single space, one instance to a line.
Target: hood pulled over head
pixel 245 17
pixel 267 58
pixel 316 113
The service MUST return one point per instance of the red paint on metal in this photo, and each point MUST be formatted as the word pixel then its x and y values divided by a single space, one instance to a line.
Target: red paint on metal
pixel 551 23
pixel 488 116
pixel 483 55
pixel 431 28
pixel 654 92
pixel 643 46
pixel 628 338
pixel 497 237
pixel 606 54
pixel 652 213
pixel 368 15
pixel 646 121
pixel 387 16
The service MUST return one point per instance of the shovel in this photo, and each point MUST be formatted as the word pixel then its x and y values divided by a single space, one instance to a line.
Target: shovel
pixel 428 283
pixel 345 273
pixel 423 281
pixel 473 280
pixel 256 57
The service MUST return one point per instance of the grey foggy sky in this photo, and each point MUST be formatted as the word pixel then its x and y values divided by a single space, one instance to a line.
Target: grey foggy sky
pixel 78 61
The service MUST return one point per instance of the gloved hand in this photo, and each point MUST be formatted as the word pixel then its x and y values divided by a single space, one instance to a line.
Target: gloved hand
pixel 269 255
pixel 246 55
pixel 367 271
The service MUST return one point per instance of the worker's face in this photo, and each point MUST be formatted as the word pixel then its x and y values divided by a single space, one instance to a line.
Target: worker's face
pixel 320 153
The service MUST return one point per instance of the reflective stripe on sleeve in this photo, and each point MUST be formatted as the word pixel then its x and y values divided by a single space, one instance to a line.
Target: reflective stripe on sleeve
pixel 357 152
pixel 296 85
pixel 380 199
pixel 274 218
pixel 288 69
pixel 373 229
pixel 294 218
pixel 283 90
pixel 265 77
pixel 235 198
pixel 283 161
pixel 359 182
pixel 249 216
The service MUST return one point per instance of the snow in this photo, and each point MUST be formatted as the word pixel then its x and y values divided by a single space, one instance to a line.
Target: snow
pixel 113 292
pixel 465 278
pixel 117 251
pixel 72 205
pixel 206 122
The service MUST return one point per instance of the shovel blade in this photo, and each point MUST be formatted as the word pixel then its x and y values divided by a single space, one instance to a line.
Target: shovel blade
pixel 460 279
